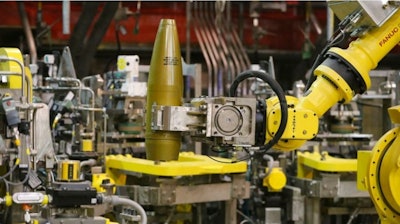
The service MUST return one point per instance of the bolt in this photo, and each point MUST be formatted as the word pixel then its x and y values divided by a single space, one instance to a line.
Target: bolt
pixel 385 4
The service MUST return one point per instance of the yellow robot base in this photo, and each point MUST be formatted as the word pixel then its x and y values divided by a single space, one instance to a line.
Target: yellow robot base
pixel 379 171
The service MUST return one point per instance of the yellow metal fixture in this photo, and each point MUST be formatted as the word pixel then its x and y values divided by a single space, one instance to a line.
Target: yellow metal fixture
pixel 188 164
pixel 275 180
pixel 308 162
pixel 87 145
pixel 11 60
pixel 98 179
pixel 8 199
pixel 68 170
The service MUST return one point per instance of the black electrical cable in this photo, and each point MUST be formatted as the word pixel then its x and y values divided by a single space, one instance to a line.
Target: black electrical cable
pixel 278 91
pixel 113 59
pixel 224 150
pixel 220 161
pixel 339 33
pixel 244 158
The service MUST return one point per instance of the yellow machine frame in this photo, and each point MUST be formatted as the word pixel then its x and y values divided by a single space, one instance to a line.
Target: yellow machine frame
pixel 188 164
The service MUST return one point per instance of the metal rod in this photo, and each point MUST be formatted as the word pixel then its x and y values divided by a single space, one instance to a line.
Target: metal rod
pixel 104 131
pixel 330 23
pixel 188 26
pixel 28 32
pixel 223 64
pixel 211 47
pixel 203 48
pixel 66 12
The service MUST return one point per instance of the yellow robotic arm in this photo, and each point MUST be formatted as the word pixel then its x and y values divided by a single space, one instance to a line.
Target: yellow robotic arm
pixel 282 122
pixel 342 75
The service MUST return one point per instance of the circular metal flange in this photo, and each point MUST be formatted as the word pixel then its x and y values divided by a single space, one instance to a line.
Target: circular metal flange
pixel 385 211
pixel 228 120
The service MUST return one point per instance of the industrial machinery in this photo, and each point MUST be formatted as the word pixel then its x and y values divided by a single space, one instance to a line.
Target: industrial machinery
pixel 40 184
pixel 285 123
pixel 231 124
pixel 57 166
pixel 172 185
pixel 123 95
pixel 325 169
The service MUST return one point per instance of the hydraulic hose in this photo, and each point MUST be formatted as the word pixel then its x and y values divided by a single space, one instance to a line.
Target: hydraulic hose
pixel 89 162
pixel 116 200
pixel 270 164
pixel 277 90
pixel 10 171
